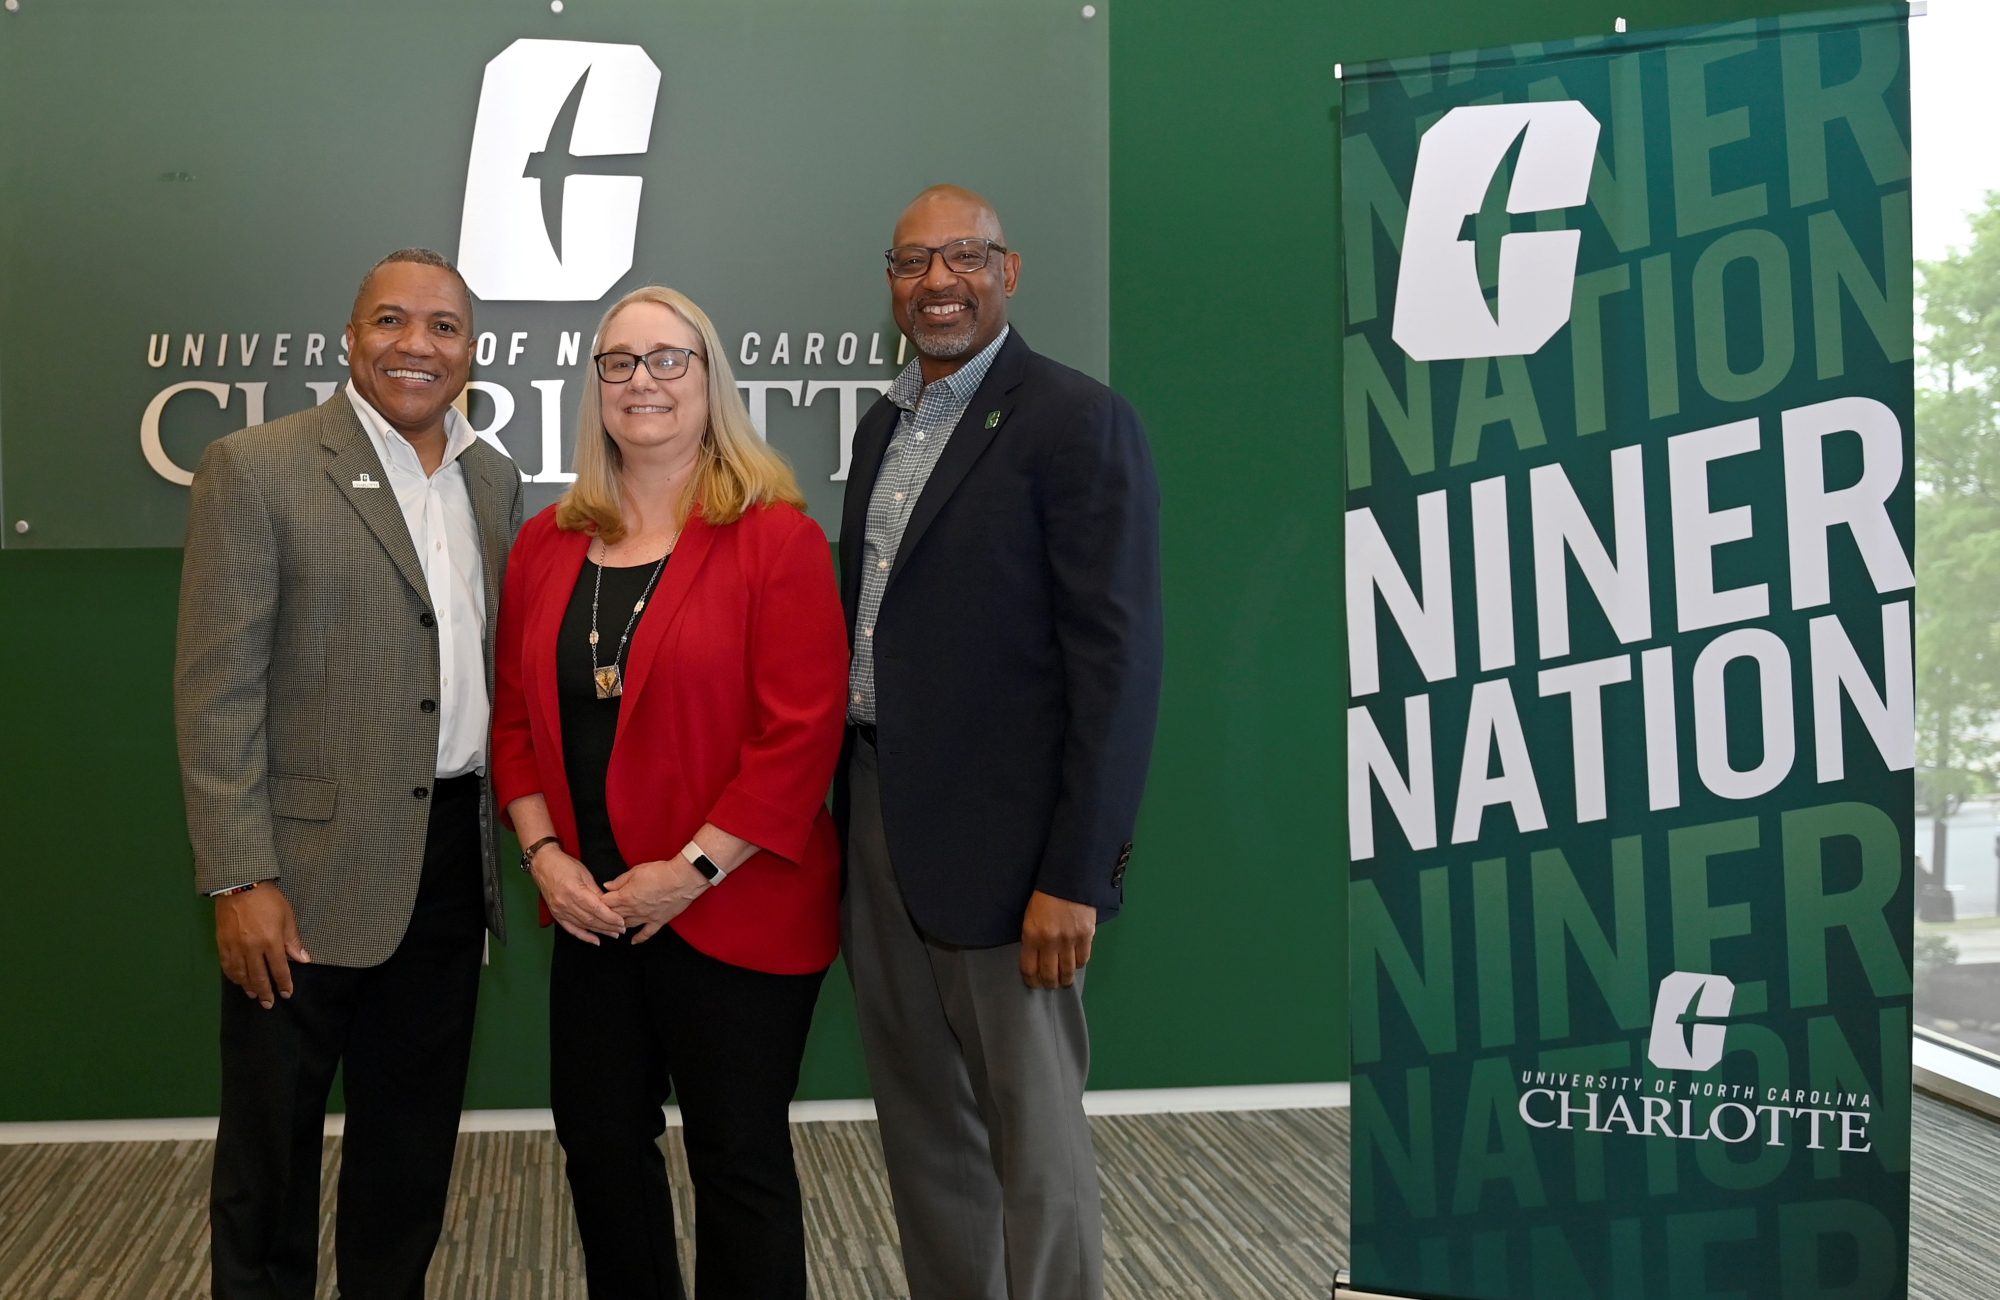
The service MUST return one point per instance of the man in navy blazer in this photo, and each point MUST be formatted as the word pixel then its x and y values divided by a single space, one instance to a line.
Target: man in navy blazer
pixel 1000 570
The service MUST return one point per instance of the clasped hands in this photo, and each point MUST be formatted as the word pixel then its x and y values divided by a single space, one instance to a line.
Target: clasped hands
pixel 646 897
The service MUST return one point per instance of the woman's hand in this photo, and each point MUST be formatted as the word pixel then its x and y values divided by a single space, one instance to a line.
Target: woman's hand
pixel 573 897
pixel 654 893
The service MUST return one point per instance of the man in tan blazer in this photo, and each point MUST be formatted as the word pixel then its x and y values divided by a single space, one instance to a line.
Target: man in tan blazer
pixel 332 681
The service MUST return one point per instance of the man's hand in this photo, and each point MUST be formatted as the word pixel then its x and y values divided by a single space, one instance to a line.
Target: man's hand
pixel 1055 940
pixel 573 897
pixel 255 932
pixel 654 893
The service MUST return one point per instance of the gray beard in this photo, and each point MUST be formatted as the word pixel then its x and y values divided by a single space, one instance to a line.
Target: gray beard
pixel 946 346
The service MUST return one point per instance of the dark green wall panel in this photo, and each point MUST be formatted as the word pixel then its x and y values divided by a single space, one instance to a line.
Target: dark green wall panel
pixel 109 1005
pixel 1222 317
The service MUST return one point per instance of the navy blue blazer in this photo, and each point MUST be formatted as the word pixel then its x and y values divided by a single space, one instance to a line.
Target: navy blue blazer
pixel 1017 651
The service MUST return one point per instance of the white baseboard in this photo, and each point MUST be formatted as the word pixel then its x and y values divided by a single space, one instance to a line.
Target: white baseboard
pixel 1188 1101
pixel 1139 1101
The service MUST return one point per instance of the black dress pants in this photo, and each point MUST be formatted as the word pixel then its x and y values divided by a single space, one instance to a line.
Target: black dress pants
pixel 629 1026
pixel 403 1033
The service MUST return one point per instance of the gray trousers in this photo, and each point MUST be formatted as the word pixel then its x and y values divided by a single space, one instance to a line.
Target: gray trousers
pixel 978 1083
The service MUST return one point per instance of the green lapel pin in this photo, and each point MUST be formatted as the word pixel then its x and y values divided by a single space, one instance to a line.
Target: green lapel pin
pixel 993 419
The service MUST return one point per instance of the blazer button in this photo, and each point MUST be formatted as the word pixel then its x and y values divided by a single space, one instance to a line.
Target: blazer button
pixel 428 619
pixel 429 706
pixel 421 792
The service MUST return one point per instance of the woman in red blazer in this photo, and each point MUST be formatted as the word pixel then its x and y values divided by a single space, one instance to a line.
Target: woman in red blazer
pixel 670 687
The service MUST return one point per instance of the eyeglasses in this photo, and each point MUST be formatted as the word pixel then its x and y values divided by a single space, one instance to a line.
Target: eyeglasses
pixel 908 261
pixel 660 363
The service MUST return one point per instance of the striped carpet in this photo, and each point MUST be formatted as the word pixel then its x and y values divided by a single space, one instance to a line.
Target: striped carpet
pixel 1232 1206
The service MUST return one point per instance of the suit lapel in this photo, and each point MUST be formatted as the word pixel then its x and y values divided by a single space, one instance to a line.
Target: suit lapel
pixel 489 511
pixel 689 552
pixel 985 415
pixel 354 461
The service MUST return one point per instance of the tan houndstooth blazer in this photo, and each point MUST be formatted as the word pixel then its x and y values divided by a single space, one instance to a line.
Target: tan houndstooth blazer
pixel 306 645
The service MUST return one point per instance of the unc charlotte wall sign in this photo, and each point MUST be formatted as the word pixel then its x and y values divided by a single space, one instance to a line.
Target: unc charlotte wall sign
pixel 534 230
pixel 523 237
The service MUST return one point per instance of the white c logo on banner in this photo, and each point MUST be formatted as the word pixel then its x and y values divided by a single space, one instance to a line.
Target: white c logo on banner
pixel 1441 312
pixel 1701 1047
pixel 534 233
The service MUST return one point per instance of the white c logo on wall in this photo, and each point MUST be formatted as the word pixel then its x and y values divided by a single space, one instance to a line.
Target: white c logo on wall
pixel 1441 312
pixel 516 241
pixel 1700 1048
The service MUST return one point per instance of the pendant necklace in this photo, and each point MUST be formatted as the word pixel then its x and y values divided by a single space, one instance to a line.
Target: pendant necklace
pixel 609 679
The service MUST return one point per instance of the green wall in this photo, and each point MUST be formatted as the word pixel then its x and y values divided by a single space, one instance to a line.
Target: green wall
pixel 1228 966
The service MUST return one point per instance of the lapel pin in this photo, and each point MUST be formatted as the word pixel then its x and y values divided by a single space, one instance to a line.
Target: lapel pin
pixel 993 419
pixel 365 482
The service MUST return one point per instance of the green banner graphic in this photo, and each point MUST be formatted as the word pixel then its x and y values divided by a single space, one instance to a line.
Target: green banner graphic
pixel 192 192
pixel 1628 415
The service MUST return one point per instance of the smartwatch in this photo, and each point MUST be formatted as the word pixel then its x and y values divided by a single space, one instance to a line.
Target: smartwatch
pixel 704 864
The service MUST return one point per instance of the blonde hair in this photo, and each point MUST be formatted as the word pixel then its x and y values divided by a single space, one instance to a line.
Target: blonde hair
pixel 734 469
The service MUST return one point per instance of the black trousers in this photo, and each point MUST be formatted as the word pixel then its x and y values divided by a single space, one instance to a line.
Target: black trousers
pixel 629 1026
pixel 402 1033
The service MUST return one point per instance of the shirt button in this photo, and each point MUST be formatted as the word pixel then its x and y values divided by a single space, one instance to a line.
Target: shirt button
pixel 881 564
pixel 868 632
pixel 857 697
pixel 421 792
pixel 899 496
pixel 429 706
pixel 920 437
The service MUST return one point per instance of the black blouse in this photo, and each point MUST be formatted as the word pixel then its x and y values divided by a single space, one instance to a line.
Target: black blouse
pixel 590 725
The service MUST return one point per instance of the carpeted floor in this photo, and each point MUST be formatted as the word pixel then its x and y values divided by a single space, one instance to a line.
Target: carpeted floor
pixel 1241 1206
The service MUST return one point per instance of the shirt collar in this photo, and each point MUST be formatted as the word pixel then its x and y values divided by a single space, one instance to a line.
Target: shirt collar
pixel 962 382
pixel 389 444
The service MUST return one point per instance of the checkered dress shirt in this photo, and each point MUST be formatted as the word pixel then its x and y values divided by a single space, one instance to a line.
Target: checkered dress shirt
pixel 930 413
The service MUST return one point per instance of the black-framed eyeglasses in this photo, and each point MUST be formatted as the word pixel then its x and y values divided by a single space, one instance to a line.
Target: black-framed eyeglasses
pixel 908 261
pixel 660 363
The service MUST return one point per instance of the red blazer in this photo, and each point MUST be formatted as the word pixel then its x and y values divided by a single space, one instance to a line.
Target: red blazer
pixel 735 696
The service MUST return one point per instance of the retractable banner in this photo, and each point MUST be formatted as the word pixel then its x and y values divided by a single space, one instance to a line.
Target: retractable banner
pixel 1629 532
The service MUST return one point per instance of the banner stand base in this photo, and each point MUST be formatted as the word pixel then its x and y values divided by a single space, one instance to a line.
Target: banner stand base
pixel 1343 1289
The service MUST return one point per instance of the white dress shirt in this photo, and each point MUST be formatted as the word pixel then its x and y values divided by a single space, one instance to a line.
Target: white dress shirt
pixel 438 510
